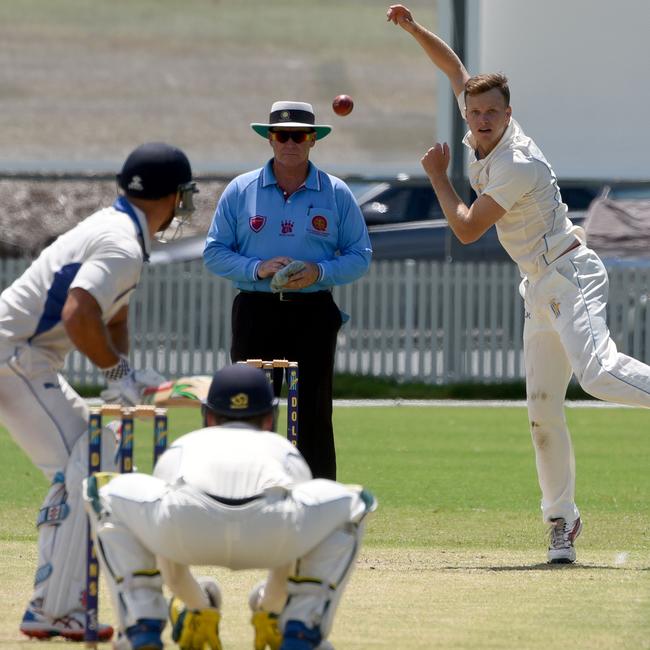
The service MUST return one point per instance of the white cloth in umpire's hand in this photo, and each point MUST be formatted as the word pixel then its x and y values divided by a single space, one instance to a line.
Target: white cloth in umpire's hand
pixel 129 389
pixel 280 279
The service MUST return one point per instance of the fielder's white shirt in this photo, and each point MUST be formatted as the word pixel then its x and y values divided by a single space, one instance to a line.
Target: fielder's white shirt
pixel 102 255
pixel 535 230
pixel 234 461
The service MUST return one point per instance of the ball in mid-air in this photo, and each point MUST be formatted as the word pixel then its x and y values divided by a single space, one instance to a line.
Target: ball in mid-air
pixel 343 104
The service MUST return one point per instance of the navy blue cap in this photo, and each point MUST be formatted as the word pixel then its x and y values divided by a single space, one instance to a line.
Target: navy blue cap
pixel 240 391
pixel 154 170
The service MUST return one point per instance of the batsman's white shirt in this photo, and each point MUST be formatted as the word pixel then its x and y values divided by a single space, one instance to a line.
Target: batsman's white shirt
pixel 102 255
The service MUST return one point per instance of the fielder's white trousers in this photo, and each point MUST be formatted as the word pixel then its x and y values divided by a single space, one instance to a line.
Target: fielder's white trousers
pixel 48 420
pixel 565 332
pixel 318 523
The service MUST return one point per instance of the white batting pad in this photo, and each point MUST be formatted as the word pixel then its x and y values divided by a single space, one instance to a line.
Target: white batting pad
pixel 62 544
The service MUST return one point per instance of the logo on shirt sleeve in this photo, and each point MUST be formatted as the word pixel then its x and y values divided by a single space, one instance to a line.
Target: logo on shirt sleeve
pixel 257 223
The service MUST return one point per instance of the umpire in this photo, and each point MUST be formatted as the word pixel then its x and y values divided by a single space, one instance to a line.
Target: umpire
pixel 285 234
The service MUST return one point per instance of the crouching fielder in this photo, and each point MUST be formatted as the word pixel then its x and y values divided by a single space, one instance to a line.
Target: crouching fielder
pixel 233 495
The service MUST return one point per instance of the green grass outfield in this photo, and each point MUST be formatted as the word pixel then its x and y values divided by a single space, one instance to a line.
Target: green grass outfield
pixel 454 558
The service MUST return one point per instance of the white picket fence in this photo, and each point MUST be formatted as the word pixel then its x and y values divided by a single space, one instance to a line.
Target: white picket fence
pixel 426 321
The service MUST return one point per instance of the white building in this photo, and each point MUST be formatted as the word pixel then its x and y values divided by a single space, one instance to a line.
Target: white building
pixel 579 74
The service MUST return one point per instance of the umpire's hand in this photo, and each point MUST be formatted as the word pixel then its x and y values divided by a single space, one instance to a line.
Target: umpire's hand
pixel 270 267
pixel 304 278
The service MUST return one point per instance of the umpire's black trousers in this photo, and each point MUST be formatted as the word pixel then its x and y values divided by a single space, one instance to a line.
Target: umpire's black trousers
pixel 299 327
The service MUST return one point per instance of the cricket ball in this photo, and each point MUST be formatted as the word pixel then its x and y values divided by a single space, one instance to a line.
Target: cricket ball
pixel 342 105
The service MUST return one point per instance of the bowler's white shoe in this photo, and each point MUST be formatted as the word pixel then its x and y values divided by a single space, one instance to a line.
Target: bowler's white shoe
pixel 562 536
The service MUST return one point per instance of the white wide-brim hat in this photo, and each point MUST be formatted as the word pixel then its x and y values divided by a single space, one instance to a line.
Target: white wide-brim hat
pixel 292 114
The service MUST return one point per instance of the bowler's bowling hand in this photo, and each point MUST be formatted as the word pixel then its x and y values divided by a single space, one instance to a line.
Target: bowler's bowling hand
pixel 402 16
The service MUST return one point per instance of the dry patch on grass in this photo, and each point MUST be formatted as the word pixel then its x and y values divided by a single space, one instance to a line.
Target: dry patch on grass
pixel 415 599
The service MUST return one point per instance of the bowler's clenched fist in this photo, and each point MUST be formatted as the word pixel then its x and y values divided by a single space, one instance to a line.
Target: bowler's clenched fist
pixel 436 160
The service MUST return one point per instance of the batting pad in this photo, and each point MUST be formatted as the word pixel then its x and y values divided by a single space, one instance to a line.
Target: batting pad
pixel 316 588
pixel 61 544
pixel 130 569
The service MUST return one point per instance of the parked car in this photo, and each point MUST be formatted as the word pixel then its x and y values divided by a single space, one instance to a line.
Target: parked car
pixel 405 220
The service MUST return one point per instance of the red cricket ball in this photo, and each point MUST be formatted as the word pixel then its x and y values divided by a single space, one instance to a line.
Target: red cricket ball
pixel 342 105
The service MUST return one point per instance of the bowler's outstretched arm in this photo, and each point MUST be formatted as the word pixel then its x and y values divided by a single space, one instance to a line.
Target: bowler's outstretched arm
pixel 436 49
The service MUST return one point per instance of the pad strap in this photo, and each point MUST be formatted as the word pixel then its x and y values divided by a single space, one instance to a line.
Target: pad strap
pixel 146 578
pixel 42 573
pixel 309 583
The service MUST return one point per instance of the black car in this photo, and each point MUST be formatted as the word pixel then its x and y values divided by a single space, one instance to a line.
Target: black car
pixel 405 220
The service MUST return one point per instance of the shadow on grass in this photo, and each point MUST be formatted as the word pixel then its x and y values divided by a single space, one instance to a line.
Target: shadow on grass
pixel 540 567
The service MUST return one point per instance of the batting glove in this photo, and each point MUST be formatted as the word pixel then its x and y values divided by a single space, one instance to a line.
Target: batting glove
pixel 118 371
pixel 128 388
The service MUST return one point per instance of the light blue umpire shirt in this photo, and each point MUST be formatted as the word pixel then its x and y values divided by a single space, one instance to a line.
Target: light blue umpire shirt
pixel 320 222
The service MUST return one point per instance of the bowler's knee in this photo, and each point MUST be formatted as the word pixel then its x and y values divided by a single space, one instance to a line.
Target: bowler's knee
pixel 596 381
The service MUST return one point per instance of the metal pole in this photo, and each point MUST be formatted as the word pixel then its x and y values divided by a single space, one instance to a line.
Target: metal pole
pixel 458 127
pixel 459 21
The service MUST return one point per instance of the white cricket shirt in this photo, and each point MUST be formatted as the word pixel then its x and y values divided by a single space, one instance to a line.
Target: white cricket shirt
pixel 535 230
pixel 234 461
pixel 103 255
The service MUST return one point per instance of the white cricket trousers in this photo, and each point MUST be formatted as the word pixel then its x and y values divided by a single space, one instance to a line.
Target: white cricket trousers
pixel 318 523
pixel 565 332
pixel 48 420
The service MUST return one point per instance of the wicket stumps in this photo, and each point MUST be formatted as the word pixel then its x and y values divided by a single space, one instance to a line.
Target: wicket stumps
pixel 291 372
pixel 127 415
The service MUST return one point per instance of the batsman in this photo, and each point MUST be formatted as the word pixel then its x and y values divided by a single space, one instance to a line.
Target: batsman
pixel 76 295
pixel 232 494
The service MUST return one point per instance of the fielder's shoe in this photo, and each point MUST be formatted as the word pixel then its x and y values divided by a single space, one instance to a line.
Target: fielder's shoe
pixel 37 625
pixel 145 634
pixel 562 536
pixel 297 636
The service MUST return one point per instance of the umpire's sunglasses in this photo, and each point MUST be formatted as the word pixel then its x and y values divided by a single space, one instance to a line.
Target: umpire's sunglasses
pixel 297 136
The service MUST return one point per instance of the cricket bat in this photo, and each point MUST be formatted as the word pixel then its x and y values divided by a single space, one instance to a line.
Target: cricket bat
pixel 185 391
